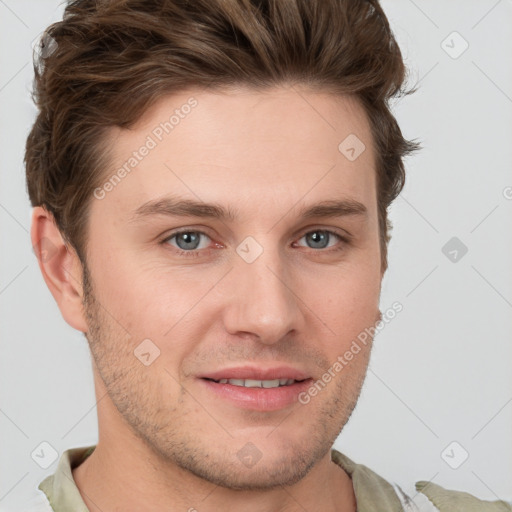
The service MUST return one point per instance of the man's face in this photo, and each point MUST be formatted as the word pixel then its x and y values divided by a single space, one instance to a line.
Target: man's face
pixel 267 288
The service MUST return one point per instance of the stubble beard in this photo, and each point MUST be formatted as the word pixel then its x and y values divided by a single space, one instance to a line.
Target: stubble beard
pixel 138 400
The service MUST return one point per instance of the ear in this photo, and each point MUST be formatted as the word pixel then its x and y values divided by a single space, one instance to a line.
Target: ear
pixel 60 266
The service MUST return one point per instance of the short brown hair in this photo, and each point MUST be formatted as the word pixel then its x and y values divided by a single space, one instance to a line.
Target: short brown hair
pixel 112 59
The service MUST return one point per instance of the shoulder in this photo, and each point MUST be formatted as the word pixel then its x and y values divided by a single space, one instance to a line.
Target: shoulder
pixel 429 497
pixel 373 492
pixel 446 500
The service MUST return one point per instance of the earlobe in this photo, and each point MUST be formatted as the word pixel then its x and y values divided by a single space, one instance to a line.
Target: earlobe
pixel 60 266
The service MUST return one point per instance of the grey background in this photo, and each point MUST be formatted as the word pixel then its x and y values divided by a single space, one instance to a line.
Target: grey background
pixel 440 371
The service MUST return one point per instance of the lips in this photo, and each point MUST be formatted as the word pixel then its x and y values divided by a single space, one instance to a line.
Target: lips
pixel 261 399
pixel 253 383
pixel 256 387
pixel 257 373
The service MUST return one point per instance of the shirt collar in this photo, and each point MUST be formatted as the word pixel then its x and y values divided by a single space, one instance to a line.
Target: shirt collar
pixel 373 493
pixel 60 488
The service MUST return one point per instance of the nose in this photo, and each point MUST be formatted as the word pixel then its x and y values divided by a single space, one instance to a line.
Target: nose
pixel 261 300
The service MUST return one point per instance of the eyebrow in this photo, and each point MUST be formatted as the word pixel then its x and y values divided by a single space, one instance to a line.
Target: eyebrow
pixel 175 207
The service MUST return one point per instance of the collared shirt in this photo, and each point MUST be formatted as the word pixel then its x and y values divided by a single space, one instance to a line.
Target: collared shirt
pixel 59 493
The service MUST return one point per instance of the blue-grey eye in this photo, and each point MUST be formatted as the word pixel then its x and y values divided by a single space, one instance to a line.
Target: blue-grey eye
pixel 319 239
pixel 187 240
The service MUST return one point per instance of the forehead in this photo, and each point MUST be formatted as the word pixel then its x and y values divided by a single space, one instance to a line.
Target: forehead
pixel 252 150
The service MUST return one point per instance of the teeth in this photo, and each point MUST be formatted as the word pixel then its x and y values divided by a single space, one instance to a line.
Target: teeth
pixel 251 383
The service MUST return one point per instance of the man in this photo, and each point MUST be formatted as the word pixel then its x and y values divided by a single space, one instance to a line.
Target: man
pixel 210 182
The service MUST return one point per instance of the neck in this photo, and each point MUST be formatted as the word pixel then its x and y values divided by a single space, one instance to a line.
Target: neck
pixel 114 477
pixel 125 473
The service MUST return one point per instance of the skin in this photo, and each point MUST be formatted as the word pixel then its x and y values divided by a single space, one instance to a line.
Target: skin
pixel 165 441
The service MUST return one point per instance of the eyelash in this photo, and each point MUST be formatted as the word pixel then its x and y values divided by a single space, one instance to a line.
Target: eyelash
pixel 196 253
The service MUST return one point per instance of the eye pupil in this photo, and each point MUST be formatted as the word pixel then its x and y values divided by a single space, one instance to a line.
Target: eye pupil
pixel 320 237
pixel 189 237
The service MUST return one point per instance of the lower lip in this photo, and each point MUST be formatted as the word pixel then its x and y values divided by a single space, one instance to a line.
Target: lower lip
pixel 259 399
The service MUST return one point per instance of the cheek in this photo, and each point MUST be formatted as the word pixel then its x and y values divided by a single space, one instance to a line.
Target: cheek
pixel 123 289
pixel 343 304
pixel 152 300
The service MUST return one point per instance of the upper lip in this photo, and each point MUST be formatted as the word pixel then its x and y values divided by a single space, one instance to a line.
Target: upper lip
pixel 256 373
